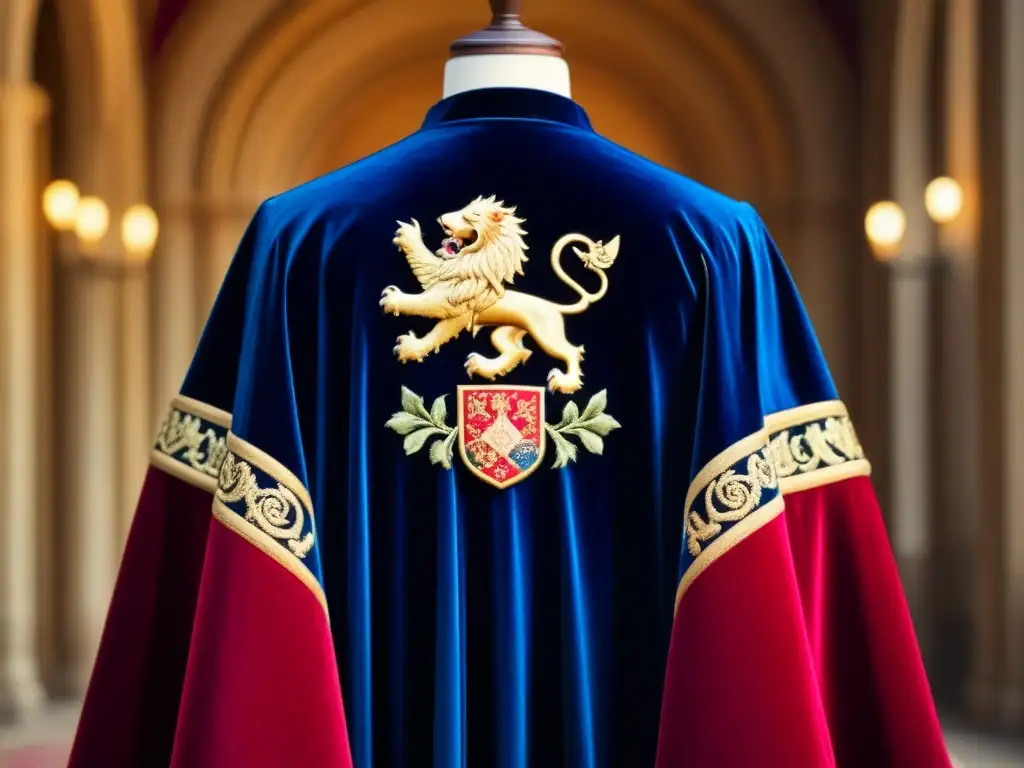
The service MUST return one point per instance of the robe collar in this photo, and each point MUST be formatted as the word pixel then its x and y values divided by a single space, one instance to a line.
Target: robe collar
pixel 499 103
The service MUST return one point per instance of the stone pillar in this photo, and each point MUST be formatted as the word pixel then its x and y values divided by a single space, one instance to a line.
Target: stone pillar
pixel 912 480
pixel 909 296
pixel 1012 80
pixel 955 416
pixel 176 285
pixel 90 456
pixel 138 423
pixel 997 682
pixel 22 108
pixel 197 243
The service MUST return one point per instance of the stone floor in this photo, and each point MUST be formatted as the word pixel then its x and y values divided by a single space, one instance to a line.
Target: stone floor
pixel 44 742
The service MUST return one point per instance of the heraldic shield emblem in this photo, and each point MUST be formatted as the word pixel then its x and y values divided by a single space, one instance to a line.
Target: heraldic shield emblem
pixel 501 431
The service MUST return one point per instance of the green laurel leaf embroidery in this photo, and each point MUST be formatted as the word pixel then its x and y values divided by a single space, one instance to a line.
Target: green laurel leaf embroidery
pixel 569 414
pixel 589 440
pixel 403 423
pixel 596 405
pixel 441 451
pixel 413 403
pixel 438 411
pixel 418 426
pixel 564 450
pixel 418 439
pixel 590 428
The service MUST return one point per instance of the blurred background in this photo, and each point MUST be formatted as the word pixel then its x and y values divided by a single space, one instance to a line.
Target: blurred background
pixel 881 140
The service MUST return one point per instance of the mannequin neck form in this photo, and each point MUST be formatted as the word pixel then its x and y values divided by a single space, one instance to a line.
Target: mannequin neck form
pixel 469 73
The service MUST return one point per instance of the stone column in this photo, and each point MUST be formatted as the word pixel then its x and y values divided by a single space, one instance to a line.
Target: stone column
pixel 91 445
pixel 911 486
pixel 138 423
pixel 912 479
pixel 1012 79
pixel 955 416
pixel 22 108
pixel 997 682
pixel 175 286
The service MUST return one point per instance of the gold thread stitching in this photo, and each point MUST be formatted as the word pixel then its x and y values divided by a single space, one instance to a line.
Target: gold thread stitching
pixel 253 455
pixel 190 444
pixel 277 512
pixel 464 289
pixel 729 498
pixel 204 449
pixel 816 445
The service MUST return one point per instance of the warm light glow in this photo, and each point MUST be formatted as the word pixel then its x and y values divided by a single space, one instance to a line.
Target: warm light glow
pixel 885 224
pixel 943 199
pixel 139 230
pixel 60 204
pixel 91 221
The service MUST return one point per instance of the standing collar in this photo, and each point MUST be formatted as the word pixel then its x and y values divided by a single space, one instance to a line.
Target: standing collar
pixel 507 103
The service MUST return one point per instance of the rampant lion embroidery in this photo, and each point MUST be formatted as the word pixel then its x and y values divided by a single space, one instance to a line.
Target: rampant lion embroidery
pixel 464 289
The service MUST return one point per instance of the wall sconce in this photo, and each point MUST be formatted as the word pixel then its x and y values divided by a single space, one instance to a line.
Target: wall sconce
pixel 88 218
pixel 885 223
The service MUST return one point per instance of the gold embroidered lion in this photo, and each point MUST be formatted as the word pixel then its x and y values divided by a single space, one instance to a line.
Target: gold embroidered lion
pixel 464 289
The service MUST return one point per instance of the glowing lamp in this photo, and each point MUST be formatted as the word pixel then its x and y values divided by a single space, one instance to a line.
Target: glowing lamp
pixel 885 223
pixel 943 199
pixel 91 221
pixel 60 204
pixel 139 230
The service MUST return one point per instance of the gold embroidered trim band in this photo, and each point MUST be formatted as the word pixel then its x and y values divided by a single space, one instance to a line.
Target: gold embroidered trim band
pixel 192 442
pixel 815 445
pixel 743 487
pixel 264 502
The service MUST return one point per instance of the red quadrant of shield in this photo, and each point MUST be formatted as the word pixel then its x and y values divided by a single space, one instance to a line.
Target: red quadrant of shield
pixel 501 432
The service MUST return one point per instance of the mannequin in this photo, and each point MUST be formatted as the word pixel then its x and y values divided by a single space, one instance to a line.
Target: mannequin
pixel 506 55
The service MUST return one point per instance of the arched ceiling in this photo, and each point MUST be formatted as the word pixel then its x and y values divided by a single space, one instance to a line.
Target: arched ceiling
pixel 285 92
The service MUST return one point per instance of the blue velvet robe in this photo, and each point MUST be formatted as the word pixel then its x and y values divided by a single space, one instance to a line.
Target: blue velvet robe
pixel 525 624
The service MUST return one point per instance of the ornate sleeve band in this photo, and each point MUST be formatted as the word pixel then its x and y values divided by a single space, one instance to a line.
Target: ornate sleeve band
pixel 743 487
pixel 255 495
pixel 192 442
pixel 264 502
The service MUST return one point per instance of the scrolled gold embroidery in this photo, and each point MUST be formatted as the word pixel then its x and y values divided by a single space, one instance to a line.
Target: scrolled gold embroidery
pixel 730 497
pixel 807 447
pixel 186 437
pixel 278 512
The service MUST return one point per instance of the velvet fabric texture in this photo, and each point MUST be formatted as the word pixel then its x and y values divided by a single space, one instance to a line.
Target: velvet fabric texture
pixel 802 638
pixel 131 706
pixel 261 690
pixel 528 625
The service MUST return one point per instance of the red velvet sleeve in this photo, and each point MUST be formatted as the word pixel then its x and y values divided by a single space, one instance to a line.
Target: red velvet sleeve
pixel 130 709
pixel 261 688
pixel 792 644
pixel 217 649
pixel 872 681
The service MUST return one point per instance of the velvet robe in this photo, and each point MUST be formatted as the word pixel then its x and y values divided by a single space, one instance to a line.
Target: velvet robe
pixel 665 551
